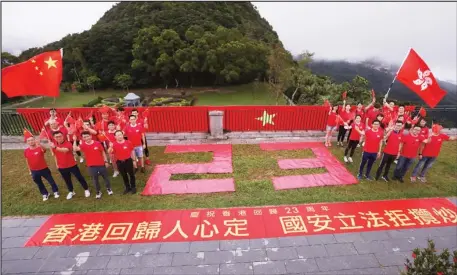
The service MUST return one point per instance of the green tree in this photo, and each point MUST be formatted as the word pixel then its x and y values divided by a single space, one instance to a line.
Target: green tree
pixel 279 70
pixel 123 80
pixel 8 59
pixel 93 81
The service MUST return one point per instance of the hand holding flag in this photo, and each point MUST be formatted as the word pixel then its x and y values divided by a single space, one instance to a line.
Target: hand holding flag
pixel 344 95
pixel 422 112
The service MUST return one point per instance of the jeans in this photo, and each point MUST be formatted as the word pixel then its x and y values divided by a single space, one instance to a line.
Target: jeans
pixel 426 162
pixel 402 167
pixel 386 161
pixel 44 173
pixel 66 175
pixel 341 133
pixel 368 159
pixel 125 168
pixel 94 172
pixel 351 146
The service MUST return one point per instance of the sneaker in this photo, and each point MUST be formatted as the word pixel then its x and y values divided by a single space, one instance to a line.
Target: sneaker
pixel 56 195
pixel 422 179
pixel 350 160
pixel 142 170
pixel 70 195
pixel 345 159
pixel 81 160
pixel 386 179
pixel 110 192
pixel 359 177
pixel 368 178
pixel 126 191
pixel 99 195
pixel 395 161
pixel 134 190
pixel 358 145
pixel 45 197
pixel 413 179
pixel 116 173
pixel 326 144
pixel 86 193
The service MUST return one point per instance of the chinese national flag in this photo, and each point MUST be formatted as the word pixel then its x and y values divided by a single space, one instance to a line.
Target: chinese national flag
pixel 416 75
pixel 40 75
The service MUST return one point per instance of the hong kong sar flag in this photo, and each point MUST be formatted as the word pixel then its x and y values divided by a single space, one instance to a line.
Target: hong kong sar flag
pixel 417 76
pixel 40 75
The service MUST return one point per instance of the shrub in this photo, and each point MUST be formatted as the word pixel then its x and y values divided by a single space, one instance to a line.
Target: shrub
pixel 93 102
pixel 428 262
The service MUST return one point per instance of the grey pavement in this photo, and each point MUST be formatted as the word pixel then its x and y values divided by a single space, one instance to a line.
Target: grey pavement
pixel 379 252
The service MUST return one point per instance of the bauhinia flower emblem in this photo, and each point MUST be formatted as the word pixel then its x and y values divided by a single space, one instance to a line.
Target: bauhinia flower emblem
pixel 423 79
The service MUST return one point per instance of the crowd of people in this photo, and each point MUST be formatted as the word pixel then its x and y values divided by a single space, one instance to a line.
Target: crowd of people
pixel 117 140
pixel 389 133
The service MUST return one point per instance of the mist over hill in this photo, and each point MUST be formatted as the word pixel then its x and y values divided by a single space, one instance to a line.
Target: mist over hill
pixel 380 77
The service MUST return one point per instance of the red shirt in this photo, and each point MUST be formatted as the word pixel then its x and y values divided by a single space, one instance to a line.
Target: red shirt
pixel 35 158
pixel 406 117
pixel 355 135
pixel 102 126
pixel 110 136
pixel 346 117
pixel 424 132
pixel 134 134
pixel 64 159
pixel 331 120
pixel 372 140
pixel 433 148
pixel 122 151
pixel 93 153
pixel 58 120
pixel 371 115
pixel 411 145
pixel 393 143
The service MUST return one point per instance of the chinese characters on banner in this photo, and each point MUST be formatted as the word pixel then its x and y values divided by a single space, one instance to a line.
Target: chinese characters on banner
pixel 243 223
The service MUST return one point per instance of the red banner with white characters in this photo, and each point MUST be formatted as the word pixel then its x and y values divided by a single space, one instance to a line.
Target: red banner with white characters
pixel 243 222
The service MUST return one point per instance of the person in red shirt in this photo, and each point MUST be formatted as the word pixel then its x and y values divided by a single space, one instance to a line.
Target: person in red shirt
pixel 371 149
pixel 53 117
pixel 66 164
pixel 109 135
pixel 393 139
pixel 135 133
pixel 144 122
pixel 430 152
pixel 359 111
pixel 424 129
pixel 38 167
pixel 408 151
pixel 124 154
pixel 87 127
pixel 96 161
pixel 55 127
pixel 357 131
pixel 401 112
pixel 344 118
pixel 331 124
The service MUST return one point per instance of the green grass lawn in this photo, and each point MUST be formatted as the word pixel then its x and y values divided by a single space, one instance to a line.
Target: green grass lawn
pixel 253 169
pixel 248 94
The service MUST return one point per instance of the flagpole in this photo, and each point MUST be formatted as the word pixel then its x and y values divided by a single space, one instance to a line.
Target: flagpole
pixel 395 77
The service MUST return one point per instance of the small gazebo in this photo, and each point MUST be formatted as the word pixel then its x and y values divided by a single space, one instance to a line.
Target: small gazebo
pixel 132 100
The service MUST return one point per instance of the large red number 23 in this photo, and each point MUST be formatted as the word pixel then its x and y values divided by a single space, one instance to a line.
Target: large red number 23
pixel 160 183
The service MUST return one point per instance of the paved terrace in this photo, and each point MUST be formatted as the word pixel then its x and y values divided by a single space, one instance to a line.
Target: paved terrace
pixel 379 252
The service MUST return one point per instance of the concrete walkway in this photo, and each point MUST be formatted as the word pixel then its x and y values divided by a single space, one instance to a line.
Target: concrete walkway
pixel 380 252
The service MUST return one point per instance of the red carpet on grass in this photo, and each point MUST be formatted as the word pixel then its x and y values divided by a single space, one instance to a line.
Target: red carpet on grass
pixel 243 222
pixel 336 174
pixel 160 183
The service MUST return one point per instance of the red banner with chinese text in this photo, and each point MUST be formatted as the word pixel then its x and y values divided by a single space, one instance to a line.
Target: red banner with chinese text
pixel 243 222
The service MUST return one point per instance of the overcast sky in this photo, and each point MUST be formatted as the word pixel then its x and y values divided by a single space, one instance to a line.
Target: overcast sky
pixel 347 30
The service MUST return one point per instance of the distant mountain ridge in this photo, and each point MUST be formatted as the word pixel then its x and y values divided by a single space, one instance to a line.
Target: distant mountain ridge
pixel 380 77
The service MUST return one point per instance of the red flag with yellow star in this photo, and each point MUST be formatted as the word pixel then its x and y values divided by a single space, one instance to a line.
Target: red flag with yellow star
pixel 40 75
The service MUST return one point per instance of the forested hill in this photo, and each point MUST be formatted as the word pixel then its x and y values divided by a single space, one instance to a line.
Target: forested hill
pixel 379 78
pixel 165 43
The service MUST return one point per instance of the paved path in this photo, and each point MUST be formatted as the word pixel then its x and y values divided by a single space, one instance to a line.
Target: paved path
pixel 380 252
